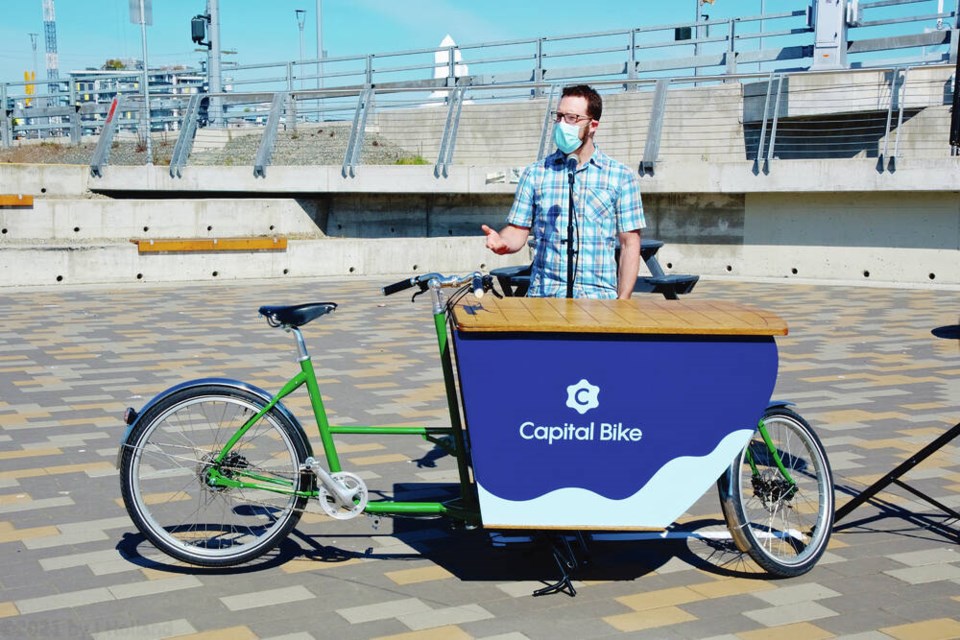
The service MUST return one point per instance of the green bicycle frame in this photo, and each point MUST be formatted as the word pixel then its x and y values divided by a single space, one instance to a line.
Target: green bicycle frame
pixel 465 508
pixel 762 428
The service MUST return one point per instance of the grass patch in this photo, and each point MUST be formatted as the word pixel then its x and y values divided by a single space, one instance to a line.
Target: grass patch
pixel 412 160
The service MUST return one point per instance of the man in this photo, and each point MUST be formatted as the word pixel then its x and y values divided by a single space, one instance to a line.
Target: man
pixel 607 210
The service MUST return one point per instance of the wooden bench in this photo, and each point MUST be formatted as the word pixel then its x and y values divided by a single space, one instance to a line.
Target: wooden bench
pixel 207 245
pixel 15 200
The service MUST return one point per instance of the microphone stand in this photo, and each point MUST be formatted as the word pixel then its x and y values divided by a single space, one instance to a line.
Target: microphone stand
pixel 571 168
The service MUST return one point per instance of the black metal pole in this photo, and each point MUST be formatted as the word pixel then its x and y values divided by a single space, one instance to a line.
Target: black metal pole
pixel 955 116
pixel 570 251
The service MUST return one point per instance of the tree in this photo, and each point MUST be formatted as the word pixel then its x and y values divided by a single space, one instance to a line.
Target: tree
pixel 113 64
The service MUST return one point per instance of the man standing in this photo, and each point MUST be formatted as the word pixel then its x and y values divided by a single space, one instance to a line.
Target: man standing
pixel 606 204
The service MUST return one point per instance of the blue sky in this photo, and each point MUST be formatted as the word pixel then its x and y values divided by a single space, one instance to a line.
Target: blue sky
pixel 88 33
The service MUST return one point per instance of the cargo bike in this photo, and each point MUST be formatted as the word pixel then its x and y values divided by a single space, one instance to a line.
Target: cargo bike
pixel 607 416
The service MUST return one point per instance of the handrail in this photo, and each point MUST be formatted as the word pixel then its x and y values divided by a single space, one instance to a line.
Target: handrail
pixel 731 45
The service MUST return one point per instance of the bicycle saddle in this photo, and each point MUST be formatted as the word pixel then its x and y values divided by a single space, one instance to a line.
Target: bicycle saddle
pixel 295 315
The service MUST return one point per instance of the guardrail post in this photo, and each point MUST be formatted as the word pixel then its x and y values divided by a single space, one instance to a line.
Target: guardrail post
pixel 758 161
pixel 547 123
pixel 449 140
pixel 101 155
pixel 776 118
pixel 655 127
pixel 269 137
pixel 75 116
pixel 632 69
pixel 731 57
pixel 538 71
pixel 368 75
pixel 451 66
pixel 188 129
pixel 357 132
pixel 6 128
pixel 903 101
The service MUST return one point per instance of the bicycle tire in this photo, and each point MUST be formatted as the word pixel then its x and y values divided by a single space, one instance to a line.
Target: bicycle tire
pixel 785 528
pixel 167 457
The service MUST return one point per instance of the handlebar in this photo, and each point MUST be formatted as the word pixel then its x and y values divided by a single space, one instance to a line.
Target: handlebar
pixel 397 287
pixel 479 283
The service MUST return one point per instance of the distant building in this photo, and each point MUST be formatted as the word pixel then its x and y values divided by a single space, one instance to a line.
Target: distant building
pixel 170 88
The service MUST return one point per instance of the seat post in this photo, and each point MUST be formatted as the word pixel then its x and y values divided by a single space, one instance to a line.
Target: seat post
pixel 301 345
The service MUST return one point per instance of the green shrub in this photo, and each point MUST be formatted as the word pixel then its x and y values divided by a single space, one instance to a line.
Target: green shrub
pixel 412 160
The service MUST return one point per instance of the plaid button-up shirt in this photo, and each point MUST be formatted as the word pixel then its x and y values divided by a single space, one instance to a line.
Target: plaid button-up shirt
pixel 606 202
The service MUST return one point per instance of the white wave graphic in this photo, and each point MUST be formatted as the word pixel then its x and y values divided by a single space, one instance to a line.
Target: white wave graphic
pixel 677 485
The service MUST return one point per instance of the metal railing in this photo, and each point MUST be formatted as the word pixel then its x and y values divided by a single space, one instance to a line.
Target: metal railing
pixel 766 42
pixel 764 118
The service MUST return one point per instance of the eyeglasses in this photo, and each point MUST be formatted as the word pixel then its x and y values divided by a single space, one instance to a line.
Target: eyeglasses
pixel 569 118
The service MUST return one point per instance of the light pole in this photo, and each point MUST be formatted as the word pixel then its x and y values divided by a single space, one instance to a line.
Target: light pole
pixel 145 123
pixel 33 43
pixel 32 87
pixel 763 10
pixel 320 53
pixel 696 35
pixel 301 15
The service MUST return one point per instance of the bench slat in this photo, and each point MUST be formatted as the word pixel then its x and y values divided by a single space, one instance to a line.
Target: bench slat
pixel 192 245
pixel 15 200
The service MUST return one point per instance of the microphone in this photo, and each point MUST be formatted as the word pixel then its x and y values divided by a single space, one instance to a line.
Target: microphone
pixel 572 163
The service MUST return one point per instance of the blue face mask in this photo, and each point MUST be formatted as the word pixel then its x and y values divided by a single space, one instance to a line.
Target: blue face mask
pixel 567 137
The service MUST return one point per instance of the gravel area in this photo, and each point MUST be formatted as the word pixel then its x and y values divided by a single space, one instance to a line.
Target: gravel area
pixel 309 145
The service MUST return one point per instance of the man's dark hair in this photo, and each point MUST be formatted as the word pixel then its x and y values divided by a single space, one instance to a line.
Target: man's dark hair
pixel 594 103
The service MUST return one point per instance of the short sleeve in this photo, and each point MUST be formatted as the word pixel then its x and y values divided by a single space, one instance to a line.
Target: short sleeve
pixel 522 211
pixel 630 206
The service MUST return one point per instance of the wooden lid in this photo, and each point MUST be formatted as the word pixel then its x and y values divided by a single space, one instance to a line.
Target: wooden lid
pixel 640 315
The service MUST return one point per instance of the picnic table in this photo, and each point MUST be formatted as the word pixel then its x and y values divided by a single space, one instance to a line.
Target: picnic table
pixel 515 280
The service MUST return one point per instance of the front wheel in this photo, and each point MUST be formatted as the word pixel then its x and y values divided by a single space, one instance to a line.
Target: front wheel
pixel 780 513
pixel 203 506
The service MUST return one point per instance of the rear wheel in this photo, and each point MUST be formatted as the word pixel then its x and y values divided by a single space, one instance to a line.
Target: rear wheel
pixel 782 515
pixel 178 494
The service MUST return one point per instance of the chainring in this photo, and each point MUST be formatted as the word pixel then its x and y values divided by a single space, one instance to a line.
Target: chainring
pixel 352 484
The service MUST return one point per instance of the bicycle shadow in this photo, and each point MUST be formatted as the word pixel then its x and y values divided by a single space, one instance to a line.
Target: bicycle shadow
pixel 136 549
pixel 485 555
pixel 479 555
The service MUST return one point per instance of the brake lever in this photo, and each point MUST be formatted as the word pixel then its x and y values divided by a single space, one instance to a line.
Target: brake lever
pixel 489 288
pixel 423 289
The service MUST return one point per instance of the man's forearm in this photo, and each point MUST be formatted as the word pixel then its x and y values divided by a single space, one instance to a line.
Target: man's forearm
pixel 629 265
pixel 514 237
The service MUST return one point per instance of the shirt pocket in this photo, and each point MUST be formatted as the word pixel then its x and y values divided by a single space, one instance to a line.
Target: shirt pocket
pixel 600 207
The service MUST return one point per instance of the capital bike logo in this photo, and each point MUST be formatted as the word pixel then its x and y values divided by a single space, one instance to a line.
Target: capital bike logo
pixel 581 397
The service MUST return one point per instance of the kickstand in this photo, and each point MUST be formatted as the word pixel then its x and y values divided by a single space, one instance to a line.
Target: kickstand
pixel 566 558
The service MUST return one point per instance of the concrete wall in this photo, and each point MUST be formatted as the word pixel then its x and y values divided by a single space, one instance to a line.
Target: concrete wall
pixel 720 214
pixel 869 237
pixel 895 236
pixel 102 219
pixel 115 262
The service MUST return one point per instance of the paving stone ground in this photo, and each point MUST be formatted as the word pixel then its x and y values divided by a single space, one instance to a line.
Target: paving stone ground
pixel 860 363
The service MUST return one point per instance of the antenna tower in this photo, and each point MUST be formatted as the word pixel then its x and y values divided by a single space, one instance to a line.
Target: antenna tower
pixel 50 35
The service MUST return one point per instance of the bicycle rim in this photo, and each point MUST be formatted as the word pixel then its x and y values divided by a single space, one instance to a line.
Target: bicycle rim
pixel 172 501
pixel 787 524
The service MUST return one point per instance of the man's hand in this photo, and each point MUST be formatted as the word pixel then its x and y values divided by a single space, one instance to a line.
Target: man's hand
pixel 508 240
pixel 494 242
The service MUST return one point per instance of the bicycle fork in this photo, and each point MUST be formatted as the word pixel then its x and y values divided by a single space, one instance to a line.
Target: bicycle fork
pixel 726 498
